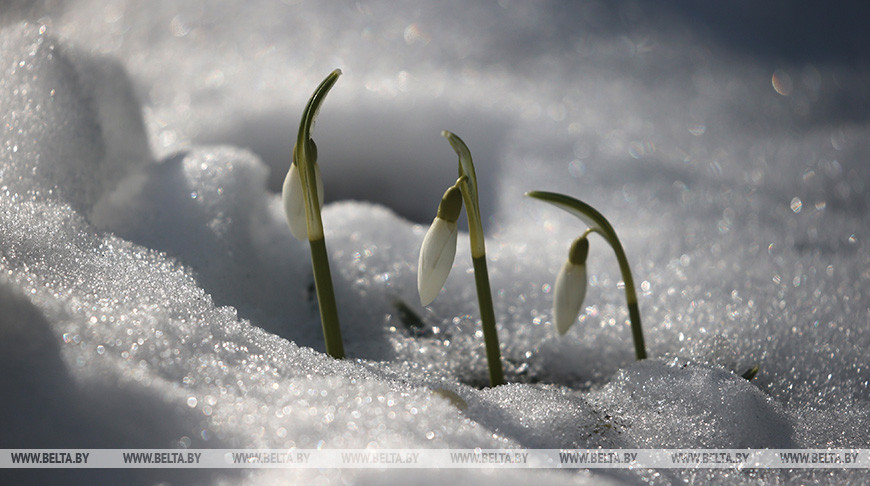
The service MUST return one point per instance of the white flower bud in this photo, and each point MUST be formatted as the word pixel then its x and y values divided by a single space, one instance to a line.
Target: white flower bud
pixel 570 288
pixel 569 292
pixel 436 259
pixel 294 200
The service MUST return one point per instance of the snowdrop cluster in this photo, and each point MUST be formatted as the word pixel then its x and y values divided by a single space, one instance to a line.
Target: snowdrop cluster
pixel 303 198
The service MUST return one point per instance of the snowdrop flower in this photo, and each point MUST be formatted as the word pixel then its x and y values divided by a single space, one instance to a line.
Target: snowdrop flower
pixel 294 200
pixel 439 247
pixel 570 289
pixel 597 223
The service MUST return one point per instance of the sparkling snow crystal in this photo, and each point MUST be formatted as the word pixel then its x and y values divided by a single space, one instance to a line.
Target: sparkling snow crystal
pixel 152 295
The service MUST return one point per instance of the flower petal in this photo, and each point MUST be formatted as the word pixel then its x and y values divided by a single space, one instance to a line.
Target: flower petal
pixel 436 259
pixel 569 292
pixel 294 200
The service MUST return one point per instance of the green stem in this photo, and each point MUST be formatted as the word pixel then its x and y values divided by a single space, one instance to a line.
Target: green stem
pixel 326 299
pixel 487 320
pixel 599 224
pixel 631 298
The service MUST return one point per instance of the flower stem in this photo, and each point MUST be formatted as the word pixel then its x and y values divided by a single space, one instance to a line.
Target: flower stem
pixel 326 299
pixel 468 184
pixel 487 320
pixel 631 298
pixel 599 224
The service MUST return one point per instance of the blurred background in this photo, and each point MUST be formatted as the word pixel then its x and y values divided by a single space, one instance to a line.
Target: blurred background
pixel 573 86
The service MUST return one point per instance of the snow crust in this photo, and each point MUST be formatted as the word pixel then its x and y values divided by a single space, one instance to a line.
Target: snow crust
pixel 153 296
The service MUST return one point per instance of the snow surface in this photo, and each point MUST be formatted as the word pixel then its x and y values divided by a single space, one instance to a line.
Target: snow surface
pixel 152 295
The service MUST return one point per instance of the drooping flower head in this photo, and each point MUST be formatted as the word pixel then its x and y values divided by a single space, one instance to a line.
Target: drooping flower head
pixel 293 197
pixel 439 247
pixel 570 288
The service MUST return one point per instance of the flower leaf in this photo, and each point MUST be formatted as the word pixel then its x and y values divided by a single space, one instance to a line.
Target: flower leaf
pixel 305 155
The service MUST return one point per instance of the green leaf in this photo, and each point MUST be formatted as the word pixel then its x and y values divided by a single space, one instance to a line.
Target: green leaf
pixel 750 373
pixel 466 166
pixel 305 155
pixel 586 213
pixel 468 185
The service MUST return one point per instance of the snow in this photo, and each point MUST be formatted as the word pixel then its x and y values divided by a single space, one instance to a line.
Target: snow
pixel 153 296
